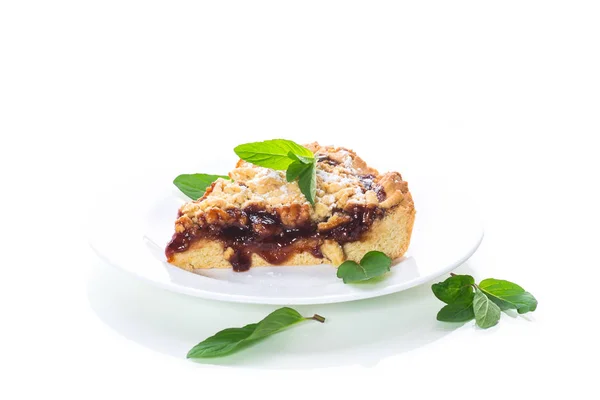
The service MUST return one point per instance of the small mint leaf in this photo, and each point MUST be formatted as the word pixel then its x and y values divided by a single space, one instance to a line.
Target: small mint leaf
pixel 350 271
pixel 373 264
pixel 194 185
pixel 294 170
pixel 508 295
pixel 457 312
pixel 307 181
pixel 456 288
pixel 487 313
pixel 301 159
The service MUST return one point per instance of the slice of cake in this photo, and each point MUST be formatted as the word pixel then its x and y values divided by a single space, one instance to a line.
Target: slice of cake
pixel 258 218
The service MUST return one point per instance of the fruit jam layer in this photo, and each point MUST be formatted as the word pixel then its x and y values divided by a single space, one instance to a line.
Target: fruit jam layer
pixel 264 234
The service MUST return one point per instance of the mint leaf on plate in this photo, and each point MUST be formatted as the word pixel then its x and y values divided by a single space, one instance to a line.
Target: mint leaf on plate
pixel 373 264
pixel 230 340
pixel 194 185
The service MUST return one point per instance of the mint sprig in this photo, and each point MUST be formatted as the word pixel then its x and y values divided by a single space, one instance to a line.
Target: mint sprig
pixel 272 154
pixel 284 155
pixel 194 185
pixel 230 340
pixel 465 300
pixel 373 264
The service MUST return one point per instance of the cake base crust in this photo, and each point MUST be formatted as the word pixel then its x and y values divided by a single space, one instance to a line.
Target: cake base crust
pixel 390 235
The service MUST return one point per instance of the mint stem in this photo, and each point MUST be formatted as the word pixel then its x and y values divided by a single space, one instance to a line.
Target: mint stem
pixel 317 317
pixel 452 274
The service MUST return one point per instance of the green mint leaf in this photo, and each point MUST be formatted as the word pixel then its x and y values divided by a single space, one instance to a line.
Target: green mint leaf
pixel 281 154
pixel 230 340
pixel 307 181
pixel 305 170
pixel 194 185
pixel 276 321
pixel 223 342
pixel 487 313
pixel 490 298
pixel 301 159
pixel 376 262
pixel 373 264
pixel 271 153
pixel 508 295
pixel 457 312
pixel 350 271
pixel 294 170
pixel 454 289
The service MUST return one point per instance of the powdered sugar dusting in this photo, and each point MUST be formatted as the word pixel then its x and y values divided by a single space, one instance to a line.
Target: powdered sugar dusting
pixel 347 160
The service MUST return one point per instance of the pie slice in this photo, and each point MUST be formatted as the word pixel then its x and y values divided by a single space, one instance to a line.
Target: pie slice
pixel 258 218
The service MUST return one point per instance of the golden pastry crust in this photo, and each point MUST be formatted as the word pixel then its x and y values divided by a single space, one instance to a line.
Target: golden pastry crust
pixel 344 180
pixel 345 183
pixel 390 235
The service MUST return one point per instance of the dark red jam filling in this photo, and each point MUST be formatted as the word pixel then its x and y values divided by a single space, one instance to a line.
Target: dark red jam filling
pixel 257 231
pixel 265 235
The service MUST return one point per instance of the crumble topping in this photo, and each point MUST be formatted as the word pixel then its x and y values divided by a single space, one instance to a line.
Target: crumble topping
pixel 344 181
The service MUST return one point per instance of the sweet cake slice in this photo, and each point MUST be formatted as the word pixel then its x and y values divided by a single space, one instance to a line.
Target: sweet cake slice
pixel 258 218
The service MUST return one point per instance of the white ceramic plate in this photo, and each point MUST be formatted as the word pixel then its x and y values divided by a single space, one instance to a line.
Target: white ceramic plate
pixel 446 233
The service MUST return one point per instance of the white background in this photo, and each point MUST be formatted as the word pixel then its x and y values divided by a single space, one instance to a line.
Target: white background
pixel 503 96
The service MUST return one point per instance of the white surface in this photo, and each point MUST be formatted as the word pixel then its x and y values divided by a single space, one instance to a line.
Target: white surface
pixel 502 96
pixel 446 233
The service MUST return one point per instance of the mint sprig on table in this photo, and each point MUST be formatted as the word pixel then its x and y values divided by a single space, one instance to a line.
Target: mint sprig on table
pixel 231 340
pixel 284 155
pixel 373 264
pixel 466 300
pixel 194 185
